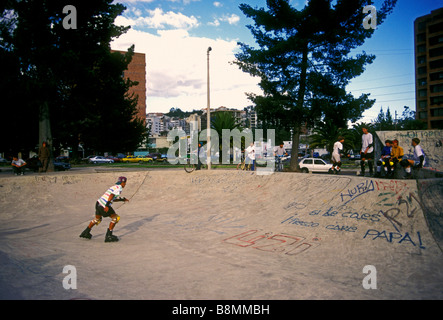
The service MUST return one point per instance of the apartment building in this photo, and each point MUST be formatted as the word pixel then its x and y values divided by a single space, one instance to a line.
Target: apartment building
pixel 428 34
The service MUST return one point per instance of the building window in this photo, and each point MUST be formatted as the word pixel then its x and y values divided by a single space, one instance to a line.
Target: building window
pixel 436 100
pixel 421 37
pixel 436 27
pixel 421 59
pixel 436 52
pixel 436 40
pixel 421 48
pixel 422 70
pixel 437 88
pixel 422 93
pixel 436 64
pixel 422 104
pixel 422 82
pixel 436 76
pixel 437 112
pixel 423 115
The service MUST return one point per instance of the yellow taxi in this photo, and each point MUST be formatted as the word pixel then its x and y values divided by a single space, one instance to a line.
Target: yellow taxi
pixel 139 159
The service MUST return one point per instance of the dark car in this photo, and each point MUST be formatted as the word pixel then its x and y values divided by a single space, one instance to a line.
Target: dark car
pixel 114 158
pixel 154 156
pixel 34 164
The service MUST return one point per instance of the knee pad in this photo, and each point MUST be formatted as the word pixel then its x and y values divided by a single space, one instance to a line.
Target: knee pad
pixel 116 219
pixel 380 163
pixel 97 221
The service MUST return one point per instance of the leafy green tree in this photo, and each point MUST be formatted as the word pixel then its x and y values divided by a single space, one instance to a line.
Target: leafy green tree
pixel 224 120
pixel 68 78
pixel 409 122
pixel 303 60
pixel 327 134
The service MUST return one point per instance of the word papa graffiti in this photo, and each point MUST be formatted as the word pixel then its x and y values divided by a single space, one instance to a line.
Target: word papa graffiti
pixel 395 237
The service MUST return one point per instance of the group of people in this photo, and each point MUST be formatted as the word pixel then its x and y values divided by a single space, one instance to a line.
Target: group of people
pixel 392 156
pixel 279 152
pixel 19 165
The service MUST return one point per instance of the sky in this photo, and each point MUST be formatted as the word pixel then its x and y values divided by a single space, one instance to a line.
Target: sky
pixel 175 36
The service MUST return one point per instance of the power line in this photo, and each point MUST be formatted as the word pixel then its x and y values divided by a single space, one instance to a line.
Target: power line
pixel 411 99
pixel 377 79
pixel 394 85
pixel 391 94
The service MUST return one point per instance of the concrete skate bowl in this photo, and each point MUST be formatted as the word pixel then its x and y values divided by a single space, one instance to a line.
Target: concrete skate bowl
pixel 222 235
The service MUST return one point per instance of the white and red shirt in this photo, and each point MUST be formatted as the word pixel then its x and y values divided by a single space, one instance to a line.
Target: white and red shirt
pixel 116 190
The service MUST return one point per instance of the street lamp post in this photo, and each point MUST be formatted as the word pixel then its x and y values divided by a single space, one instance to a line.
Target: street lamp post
pixel 208 128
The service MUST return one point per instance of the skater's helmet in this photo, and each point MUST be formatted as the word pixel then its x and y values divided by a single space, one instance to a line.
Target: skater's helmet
pixel 121 180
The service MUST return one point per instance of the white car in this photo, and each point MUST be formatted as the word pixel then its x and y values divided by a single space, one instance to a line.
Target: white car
pixel 100 159
pixel 314 165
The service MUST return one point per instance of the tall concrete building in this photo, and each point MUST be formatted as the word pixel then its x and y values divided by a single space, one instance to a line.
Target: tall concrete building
pixel 428 33
pixel 137 72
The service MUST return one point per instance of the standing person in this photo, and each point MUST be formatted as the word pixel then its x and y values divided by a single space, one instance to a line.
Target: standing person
pixel 43 156
pixel 18 165
pixel 336 160
pixel 251 155
pixel 417 161
pixel 103 208
pixel 367 152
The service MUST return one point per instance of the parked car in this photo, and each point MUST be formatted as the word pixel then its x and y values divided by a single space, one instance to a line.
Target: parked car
pixel 143 159
pixel 113 158
pixel 128 159
pixel 139 159
pixel 162 158
pixel 34 164
pixel 314 165
pixel 100 159
pixel 154 156
pixel 3 160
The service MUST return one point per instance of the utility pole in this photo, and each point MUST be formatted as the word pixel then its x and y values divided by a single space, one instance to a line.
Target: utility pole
pixel 208 113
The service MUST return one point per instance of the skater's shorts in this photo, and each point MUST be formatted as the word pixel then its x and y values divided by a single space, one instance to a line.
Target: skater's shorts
pixel 100 210
pixel 335 157
pixel 368 156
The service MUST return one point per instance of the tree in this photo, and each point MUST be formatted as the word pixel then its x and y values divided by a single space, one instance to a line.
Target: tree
pixel 327 134
pixel 304 61
pixel 384 121
pixel 409 122
pixel 224 120
pixel 70 80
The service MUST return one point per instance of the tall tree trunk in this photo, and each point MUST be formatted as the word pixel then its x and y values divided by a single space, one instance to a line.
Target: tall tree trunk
pixel 300 101
pixel 45 132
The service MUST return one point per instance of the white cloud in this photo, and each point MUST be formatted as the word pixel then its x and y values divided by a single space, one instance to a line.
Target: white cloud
pixel 176 70
pixel 232 19
pixel 218 4
pixel 160 20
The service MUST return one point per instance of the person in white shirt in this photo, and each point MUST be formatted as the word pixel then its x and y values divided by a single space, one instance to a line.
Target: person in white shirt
pixel 367 152
pixel 336 160
pixel 103 208
pixel 417 161
pixel 280 151
pixel 18 165
pixel 251 156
